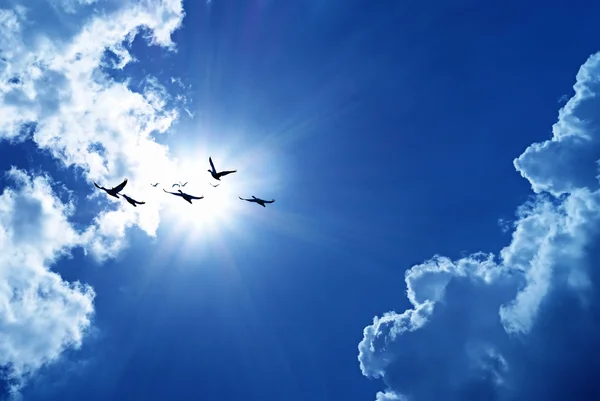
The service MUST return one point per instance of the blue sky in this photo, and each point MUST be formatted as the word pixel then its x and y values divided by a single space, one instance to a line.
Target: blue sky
pixel 437 200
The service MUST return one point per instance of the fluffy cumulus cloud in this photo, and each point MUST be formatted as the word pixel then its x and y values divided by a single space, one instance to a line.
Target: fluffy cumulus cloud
pixel 58 90
pixel 523 323
pixel 58 60
pixel 40 314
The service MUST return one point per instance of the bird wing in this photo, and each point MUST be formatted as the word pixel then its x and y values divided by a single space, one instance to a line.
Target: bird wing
pixel 195 197
pixel 222 173
pixel 131 199
pixel 183 185
pixel 128 199
pixel 211 164
pixel 248 200
pixel 97 186
pixel 271 201
pixel 172 193
pixel 174 185
pixel 120 187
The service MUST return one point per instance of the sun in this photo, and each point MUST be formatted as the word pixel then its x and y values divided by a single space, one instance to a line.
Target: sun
pixel 216 210
pixel 220 216
pixel 220 210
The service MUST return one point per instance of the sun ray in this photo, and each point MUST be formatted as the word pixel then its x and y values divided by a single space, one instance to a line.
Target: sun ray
pixel 200 227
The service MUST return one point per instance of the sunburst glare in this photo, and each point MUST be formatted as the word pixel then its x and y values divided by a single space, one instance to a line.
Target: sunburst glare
pixel 220 212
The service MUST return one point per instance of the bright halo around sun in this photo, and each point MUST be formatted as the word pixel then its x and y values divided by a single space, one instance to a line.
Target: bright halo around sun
pixel 220 214
pixel 213 213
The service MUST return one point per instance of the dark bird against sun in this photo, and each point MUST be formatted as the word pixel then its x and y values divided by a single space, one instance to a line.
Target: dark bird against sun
pixel 185 196
pixel 257 200
pixel 114 192
pixel 217 175
pixel 132 201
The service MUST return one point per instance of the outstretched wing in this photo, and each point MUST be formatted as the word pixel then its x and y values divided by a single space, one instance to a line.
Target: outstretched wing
pixel 173 186
pixel 98 186
pixel 222 173
pixel 172 193
pixel 271 201
pixel 139 203
pixel 183 185
pixel 195 197
pixel 120 187
pixel 247 200
pixel 211 164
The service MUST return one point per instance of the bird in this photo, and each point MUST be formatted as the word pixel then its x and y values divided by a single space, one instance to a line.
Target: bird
pixel 214 186
pixel 179 185
pixel 217 175
pixel 113 191
pixel 154 185
pixel 131 201
pixel 185 196
pixel 257 200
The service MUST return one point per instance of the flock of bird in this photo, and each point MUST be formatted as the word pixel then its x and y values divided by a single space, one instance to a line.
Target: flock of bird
pixel 115 191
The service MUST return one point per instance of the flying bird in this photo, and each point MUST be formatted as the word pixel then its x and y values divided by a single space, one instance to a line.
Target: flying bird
pixel 214 186
pixel 185 196
pixel 154 185
pixel 131 201
pixel 179 185
pixel 113 191
pixel 217 175
pixel 257 200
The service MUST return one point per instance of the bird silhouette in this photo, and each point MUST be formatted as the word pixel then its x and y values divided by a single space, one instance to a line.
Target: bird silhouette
pixel 154 185
pixel 179 185
pixel 113 191
pixel 217 175
pixel 185 196
pixel 257 200
pixel 215 185
pixel 132 201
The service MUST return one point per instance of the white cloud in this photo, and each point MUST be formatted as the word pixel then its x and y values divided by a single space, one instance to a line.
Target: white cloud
pixel 574 148
pixel 40 314
pixel 479 337
pixel 13 95
pixel 84 117
pixel 388 396
pixel 59 81
pixel 71 6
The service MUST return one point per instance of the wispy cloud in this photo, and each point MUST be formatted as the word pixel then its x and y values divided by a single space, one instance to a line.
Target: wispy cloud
pixel 491 326
pixel 71 6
